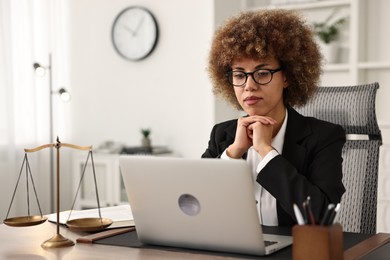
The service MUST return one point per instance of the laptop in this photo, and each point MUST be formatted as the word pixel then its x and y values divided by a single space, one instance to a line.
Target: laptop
pixel 206 204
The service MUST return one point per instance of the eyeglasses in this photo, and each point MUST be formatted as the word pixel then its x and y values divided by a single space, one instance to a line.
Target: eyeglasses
pixel 260 76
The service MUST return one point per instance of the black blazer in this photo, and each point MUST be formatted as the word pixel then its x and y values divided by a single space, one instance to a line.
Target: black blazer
pixel 310 164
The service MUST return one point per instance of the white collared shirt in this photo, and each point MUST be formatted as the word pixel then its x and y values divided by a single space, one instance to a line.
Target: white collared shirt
pixel 267 203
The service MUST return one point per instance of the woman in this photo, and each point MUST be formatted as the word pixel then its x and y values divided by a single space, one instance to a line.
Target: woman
pixel 265 63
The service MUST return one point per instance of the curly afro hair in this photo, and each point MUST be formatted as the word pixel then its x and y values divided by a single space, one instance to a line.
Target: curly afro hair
pixel 281 34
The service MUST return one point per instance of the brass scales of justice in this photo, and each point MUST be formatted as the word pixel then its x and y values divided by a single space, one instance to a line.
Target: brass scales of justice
pixel 82 224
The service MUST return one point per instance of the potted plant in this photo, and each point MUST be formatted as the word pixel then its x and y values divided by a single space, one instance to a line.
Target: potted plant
pixel 146 142
pixel 328 33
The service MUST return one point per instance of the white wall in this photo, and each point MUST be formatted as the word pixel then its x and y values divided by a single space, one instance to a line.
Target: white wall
pixel 113 98
pixel 169 91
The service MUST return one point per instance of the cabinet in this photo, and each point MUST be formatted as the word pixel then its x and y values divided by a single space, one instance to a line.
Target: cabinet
pixel 109 181
pixel 383 220
pixel 364 58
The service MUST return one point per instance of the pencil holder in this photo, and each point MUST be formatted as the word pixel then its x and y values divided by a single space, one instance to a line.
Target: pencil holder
pixel 317 242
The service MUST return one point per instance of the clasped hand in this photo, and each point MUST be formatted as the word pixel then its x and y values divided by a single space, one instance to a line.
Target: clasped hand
pixel 252 130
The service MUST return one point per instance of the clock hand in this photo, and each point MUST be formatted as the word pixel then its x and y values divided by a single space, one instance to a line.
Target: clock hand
pixel 130 30
pixel 139 24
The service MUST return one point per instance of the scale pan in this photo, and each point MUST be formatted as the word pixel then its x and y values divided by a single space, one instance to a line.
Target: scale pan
pixel 24 221
pixel 89 224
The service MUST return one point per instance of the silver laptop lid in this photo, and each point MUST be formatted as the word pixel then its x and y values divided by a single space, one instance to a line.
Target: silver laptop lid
pixel 193 203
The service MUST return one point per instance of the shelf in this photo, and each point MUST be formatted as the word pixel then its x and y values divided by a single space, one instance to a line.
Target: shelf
pixel 308 5
pixel 374 65
pixel 337 67
pixel 361 65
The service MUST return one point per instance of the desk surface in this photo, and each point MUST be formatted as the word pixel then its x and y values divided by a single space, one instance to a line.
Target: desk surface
pixel 25 243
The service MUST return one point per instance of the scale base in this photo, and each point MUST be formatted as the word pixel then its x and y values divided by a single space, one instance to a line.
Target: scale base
pixel 57 241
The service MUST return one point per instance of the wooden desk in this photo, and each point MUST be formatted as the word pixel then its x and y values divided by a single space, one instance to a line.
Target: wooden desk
pixel 25 243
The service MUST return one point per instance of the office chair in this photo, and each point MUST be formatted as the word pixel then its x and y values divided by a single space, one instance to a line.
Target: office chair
pixel 353 107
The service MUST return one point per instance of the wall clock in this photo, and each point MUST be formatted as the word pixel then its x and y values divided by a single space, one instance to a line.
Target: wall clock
pixel 135 33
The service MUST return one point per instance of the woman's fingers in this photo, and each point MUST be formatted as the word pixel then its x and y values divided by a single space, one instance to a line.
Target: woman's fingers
pixel 266 120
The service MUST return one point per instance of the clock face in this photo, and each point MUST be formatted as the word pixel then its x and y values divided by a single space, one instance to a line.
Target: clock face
pixel 135 33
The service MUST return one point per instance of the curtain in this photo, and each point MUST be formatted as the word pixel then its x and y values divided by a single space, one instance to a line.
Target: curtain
pixel 24 115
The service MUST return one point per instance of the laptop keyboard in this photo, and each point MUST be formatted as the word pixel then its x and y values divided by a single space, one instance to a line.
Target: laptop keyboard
pixel 268 243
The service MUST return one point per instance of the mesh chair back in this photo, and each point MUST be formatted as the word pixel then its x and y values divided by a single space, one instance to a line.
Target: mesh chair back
pixel 353 107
